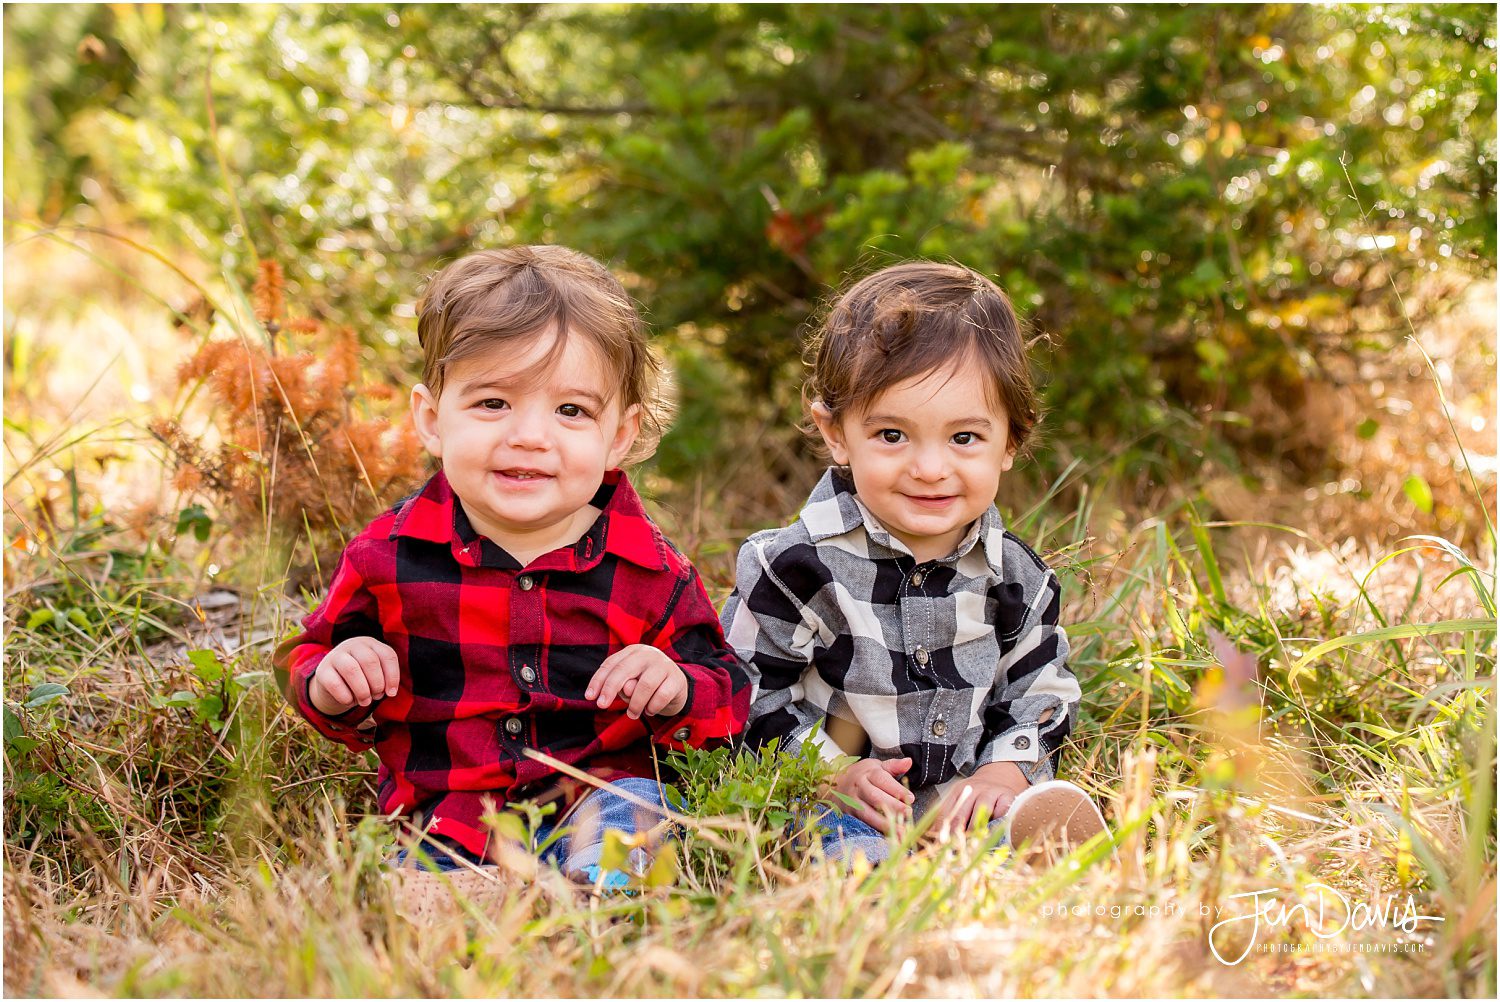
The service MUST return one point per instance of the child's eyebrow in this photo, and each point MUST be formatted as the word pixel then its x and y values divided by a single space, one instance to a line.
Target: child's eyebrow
pixel 884 420
pixel 484 384
pixel 589 395
pixel 505 386
pixel 972 422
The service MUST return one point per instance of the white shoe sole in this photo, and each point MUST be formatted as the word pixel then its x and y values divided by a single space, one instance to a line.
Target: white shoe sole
pixel 1054 815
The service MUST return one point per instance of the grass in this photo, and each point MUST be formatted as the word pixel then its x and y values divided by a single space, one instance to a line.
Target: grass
pixel 1268 707
pixel 207 844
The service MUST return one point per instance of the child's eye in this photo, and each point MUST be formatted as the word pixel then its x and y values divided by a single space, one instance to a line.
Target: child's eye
pixel 493 404
pixel 572 410
pixel 890 436
pixel 965 438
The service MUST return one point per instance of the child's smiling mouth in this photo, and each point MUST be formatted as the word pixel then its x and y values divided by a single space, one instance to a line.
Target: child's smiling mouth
pixel 931 500
pixel 522 477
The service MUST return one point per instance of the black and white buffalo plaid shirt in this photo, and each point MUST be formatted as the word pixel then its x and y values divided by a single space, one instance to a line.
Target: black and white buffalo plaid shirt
pixel 956 662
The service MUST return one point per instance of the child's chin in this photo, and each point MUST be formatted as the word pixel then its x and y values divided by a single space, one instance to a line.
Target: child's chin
pixel 932 526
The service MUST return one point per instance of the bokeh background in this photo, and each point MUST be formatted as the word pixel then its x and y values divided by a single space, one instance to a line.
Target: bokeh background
pixel 1223 223
pixel 1255 246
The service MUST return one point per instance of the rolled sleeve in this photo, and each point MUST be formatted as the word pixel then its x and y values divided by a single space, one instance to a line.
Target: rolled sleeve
pixel 718 697
pixel 348 610
pixel 1030 712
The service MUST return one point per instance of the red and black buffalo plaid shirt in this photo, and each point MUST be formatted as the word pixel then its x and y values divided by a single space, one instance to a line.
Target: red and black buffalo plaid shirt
pixel 495 658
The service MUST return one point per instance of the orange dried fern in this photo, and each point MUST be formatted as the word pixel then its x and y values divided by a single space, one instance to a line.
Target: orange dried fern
pixel 286 444
pixel 267 294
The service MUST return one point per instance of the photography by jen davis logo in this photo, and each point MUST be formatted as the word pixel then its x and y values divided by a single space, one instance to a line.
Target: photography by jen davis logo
pixel 1327 915
pixel 1169 910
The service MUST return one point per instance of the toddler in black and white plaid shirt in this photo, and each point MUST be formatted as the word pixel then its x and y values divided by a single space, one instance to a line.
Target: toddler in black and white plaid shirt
pixel 896 619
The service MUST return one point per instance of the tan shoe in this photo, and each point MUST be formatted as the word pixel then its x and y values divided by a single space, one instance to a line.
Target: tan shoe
pixel 422 896
pixel 1052 819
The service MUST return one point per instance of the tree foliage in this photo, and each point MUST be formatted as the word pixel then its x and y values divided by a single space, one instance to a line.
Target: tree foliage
pixel 1191 201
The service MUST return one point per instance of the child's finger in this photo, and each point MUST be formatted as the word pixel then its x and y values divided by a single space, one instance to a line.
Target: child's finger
pixel 606 686
pixel 602 674
pixel 893 768
pixel 670 692
pixel 874 820
pixel 964 817
pixel 956 808
pixel 1000 806
pixel 880 798
pixel 623 654
pixel 896 766
pixel 606 669
pixel 607 682
pixel 650 684
pixel 353 674
pixel 645 688
pixel 887 784
pixel 368 656
pixel 335 687
pixel 369 663
pixel 391 666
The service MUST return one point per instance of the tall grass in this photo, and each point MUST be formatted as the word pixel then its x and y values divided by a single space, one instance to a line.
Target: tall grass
pixel 1264 709
pixel 171 829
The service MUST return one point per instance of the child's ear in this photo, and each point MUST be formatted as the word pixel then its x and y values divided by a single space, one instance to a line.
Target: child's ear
pixel 832 432
pixel 424 418
pixel 1009 460
pixel 630 427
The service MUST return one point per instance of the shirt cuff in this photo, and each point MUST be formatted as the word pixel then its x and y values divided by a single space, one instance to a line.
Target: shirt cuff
pixel 698 725
pixel 677 731
pixel 1020 744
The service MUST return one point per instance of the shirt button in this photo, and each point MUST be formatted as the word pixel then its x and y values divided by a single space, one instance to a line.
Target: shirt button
pixel 939 727
pixel 681 734
pixel 513 726
pixel 922 656
pixel 1022 742
pixel 916 579
pixel 528 674
pixel 525 582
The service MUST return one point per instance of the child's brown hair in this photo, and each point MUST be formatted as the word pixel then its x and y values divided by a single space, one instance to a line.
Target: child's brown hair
pixel 494 297
pixel 915 318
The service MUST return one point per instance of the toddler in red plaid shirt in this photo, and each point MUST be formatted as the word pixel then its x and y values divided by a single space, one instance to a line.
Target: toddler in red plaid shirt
pixel 522 599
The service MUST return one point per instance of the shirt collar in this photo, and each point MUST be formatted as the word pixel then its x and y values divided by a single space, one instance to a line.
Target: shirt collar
pixel 623 528
pixel 833 509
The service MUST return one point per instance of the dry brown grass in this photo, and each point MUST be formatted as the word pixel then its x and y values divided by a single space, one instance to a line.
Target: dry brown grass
pixel 193 862
pixel 323 927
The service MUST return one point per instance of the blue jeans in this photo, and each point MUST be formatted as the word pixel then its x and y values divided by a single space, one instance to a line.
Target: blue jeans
pixel 844 835
pixel 579 850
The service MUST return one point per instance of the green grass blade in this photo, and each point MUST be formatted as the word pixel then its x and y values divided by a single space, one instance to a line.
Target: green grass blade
pixel 1405 631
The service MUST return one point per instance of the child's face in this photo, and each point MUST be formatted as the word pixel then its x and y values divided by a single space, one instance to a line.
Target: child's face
pixel 525 456
pixel 926 456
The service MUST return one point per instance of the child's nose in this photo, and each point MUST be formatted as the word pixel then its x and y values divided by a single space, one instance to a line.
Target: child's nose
pixel 929 464
pixel 528 431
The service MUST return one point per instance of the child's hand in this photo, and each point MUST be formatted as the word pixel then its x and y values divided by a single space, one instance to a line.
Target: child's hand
pixel 994 786
pixel 359 670
pixel 642 674
pixel 875 784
